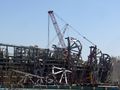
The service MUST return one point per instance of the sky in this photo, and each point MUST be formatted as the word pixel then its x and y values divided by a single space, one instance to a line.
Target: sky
pixel 25 22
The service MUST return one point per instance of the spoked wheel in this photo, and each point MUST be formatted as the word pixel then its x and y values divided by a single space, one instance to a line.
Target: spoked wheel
pixel 104 67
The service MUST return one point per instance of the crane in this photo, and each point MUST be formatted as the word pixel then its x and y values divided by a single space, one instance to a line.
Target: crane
pixel 59 34
pixel 65 28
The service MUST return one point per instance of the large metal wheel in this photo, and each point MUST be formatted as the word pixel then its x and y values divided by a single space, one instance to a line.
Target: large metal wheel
pixel 104 67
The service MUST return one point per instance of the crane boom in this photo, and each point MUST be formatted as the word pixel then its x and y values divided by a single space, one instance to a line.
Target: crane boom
pixel 65 28
pixel 59 34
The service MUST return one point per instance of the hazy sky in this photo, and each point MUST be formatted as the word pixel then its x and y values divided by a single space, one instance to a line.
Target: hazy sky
pixel 25 22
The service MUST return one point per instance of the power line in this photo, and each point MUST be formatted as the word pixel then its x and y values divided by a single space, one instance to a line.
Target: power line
pixel 48 31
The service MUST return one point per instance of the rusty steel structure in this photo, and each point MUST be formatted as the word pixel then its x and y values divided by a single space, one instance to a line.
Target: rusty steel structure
pixel 22 66
pixel 31 66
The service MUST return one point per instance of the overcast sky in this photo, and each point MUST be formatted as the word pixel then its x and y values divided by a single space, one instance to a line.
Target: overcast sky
pixel 25 22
